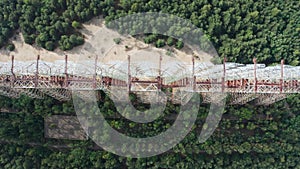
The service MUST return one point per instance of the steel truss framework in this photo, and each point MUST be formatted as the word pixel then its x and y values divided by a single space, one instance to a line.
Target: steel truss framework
pixel 244 83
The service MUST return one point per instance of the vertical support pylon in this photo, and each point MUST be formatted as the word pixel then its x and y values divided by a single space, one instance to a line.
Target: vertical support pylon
pixel 255 77
pixel 95 73
pixel 12 71
pixel 194 77
pixel 159 81
pixel 224 74
pixel 36 81
pixel 129 75
pixel 66 71
pixel 281 76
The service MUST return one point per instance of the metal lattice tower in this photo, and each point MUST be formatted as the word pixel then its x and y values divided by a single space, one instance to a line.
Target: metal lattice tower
pixel 244 83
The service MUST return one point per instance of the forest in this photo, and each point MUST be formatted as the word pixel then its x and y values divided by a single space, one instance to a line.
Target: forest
pixel 248 136
pixel 239 30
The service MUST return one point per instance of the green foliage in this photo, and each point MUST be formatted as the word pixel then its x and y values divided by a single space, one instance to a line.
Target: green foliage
pixel 46 21
pixel 29 39
pixel 50 46
pixel 64 43
pixel 150 39
pixel 179 44
pixel 274 141
pixel 160 43
pixel 76 24
pixel 240 30
pixel 117 40
pixel 247 137
pixel 10 47
pixel 170 41
pixel 67 43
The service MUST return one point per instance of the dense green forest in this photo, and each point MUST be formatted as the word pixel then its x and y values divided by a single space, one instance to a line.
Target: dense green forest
pixel 247 137
pixel 240 30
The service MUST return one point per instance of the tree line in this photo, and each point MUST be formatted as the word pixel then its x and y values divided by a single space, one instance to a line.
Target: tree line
pixel 262 136
pixel 239 30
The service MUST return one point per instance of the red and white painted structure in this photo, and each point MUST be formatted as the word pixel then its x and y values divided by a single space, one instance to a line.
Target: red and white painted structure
pixel 244 83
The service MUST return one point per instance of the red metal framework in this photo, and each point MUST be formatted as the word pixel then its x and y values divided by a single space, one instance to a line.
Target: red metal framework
pixel 244 83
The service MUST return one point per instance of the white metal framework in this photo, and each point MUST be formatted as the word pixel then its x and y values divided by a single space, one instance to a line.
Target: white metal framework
pixel 245 83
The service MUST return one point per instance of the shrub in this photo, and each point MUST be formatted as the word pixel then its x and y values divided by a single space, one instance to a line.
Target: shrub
pixel 117 40
pixel 170 41
pixel 76 24
pixel 50 45
pixel 179 44
pixel 10 47
pixel 29 39
pixel 160 43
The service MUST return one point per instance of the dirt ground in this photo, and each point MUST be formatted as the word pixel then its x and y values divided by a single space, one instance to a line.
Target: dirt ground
pixel 99 40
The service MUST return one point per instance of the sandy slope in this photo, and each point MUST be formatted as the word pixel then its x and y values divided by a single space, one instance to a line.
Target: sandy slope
pixel 99 41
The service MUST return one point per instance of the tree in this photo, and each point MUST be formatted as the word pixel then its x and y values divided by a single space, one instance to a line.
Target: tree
pixel 76 24
pixel 73 39
pixel 50 46
pixel 79 40
pixel 76 40
pixel 160 43
pixel 29 39
pixel 170 41
pixel 179 44
pixel 150 39
pixel 10 47
pixel 64 43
